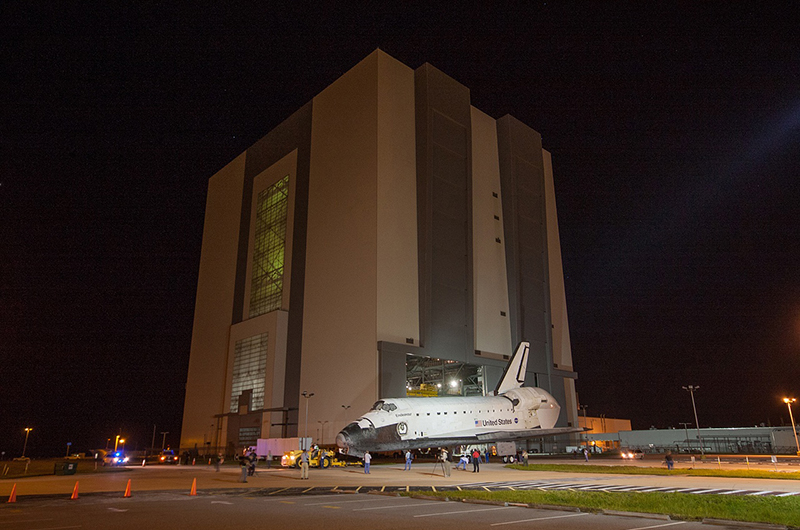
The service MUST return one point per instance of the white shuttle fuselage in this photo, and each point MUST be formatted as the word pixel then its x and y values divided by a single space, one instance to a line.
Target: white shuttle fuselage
pixel 515 412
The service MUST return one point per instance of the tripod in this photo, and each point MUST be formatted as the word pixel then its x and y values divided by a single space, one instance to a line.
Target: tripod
pixel 439 464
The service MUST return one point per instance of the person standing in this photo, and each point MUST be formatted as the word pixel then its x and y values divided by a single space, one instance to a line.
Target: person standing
pixel 252 459
pixel 668 460
pixel 445 462
pixel 217 462
pixel 586 454
pixel 408 460
pixel 304 465
pixel 367 460
pixel 476 461
pixel 269 458
pixel 243 462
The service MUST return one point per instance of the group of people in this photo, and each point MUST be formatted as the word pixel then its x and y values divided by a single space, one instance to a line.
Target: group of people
pixel 248 461
pixel 248 464
pixel 473 458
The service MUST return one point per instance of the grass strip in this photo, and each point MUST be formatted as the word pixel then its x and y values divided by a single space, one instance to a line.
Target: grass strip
pixel 635 470
pixel 774 510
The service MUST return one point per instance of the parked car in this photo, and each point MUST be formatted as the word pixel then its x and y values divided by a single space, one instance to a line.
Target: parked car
pixel 117 458
pixel 628 454
pixel 168 457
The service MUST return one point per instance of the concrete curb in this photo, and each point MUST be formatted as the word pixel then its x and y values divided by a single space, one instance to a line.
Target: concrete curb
pixel 658 516
pixel 725 522
pixel 555 507
pixel 429 498
pixel 384 493
pixel 545 507
pixel 482 501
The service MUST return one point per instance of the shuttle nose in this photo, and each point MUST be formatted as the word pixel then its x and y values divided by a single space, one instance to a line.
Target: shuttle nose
pixel 342 441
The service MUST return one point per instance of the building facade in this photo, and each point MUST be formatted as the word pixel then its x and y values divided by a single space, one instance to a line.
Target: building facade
pixel 387 239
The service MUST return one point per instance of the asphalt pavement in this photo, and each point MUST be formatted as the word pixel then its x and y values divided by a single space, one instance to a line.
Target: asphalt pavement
pixel 329 511
pixel 422 475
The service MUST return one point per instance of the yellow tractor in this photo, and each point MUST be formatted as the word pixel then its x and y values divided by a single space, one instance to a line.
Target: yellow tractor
pixel 292 459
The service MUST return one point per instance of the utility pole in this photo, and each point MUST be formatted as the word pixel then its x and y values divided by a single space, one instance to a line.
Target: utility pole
pixel 163 439
pixel 789 402
pixel 692 389
pixel 686 430
pixel 306 394
pixel 25 445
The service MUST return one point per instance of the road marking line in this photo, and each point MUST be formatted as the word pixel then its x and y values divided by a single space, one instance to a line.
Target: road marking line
pixel 343 502
pixel 26 521
pixel 57 527
pixel 433 488
pixel 397 506
pixel 460 512
pixel 540 519
pixel 287 502
pixel 758 493
pixel 307 490
pixel 658 525
pixel 333 507
pixel 280 490
pixel 788 494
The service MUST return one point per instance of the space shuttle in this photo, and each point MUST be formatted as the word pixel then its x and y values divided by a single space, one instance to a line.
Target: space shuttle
pixel 512 412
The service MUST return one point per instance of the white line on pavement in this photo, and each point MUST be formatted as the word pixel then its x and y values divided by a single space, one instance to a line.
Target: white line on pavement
pixel 396 506
pixel 540 519
pixel 25 521
pixel 342 502
pixel 459 513
pixel 57 528
pixel 658 525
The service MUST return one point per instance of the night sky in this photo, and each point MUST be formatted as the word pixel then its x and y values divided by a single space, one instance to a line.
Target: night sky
pixel 675 137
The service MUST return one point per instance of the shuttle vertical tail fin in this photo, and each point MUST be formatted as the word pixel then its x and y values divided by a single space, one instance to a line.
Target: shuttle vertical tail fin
pixel 514 374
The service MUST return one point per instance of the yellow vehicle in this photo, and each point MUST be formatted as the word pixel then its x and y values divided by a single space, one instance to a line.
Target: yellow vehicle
pixel 292 459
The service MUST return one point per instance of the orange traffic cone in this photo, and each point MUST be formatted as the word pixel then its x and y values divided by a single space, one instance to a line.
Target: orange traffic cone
pixel 13 496
pixel 128 489
pixel 194 488
pixel 74 492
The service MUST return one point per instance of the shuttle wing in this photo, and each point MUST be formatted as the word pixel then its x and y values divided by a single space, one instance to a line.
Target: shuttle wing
pixel 530 433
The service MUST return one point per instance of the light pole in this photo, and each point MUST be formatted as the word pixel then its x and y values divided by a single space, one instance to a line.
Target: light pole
pixel 163 439
pixel 583 435
pixel 789 402
pixel 322 430
pixel 116 443
pixel 691 389
pixel 306 394
pixel 686 430
pixel 68 444
pixel 25 445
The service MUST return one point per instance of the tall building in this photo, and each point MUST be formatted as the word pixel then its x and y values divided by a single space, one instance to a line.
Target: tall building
pixel 387 239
